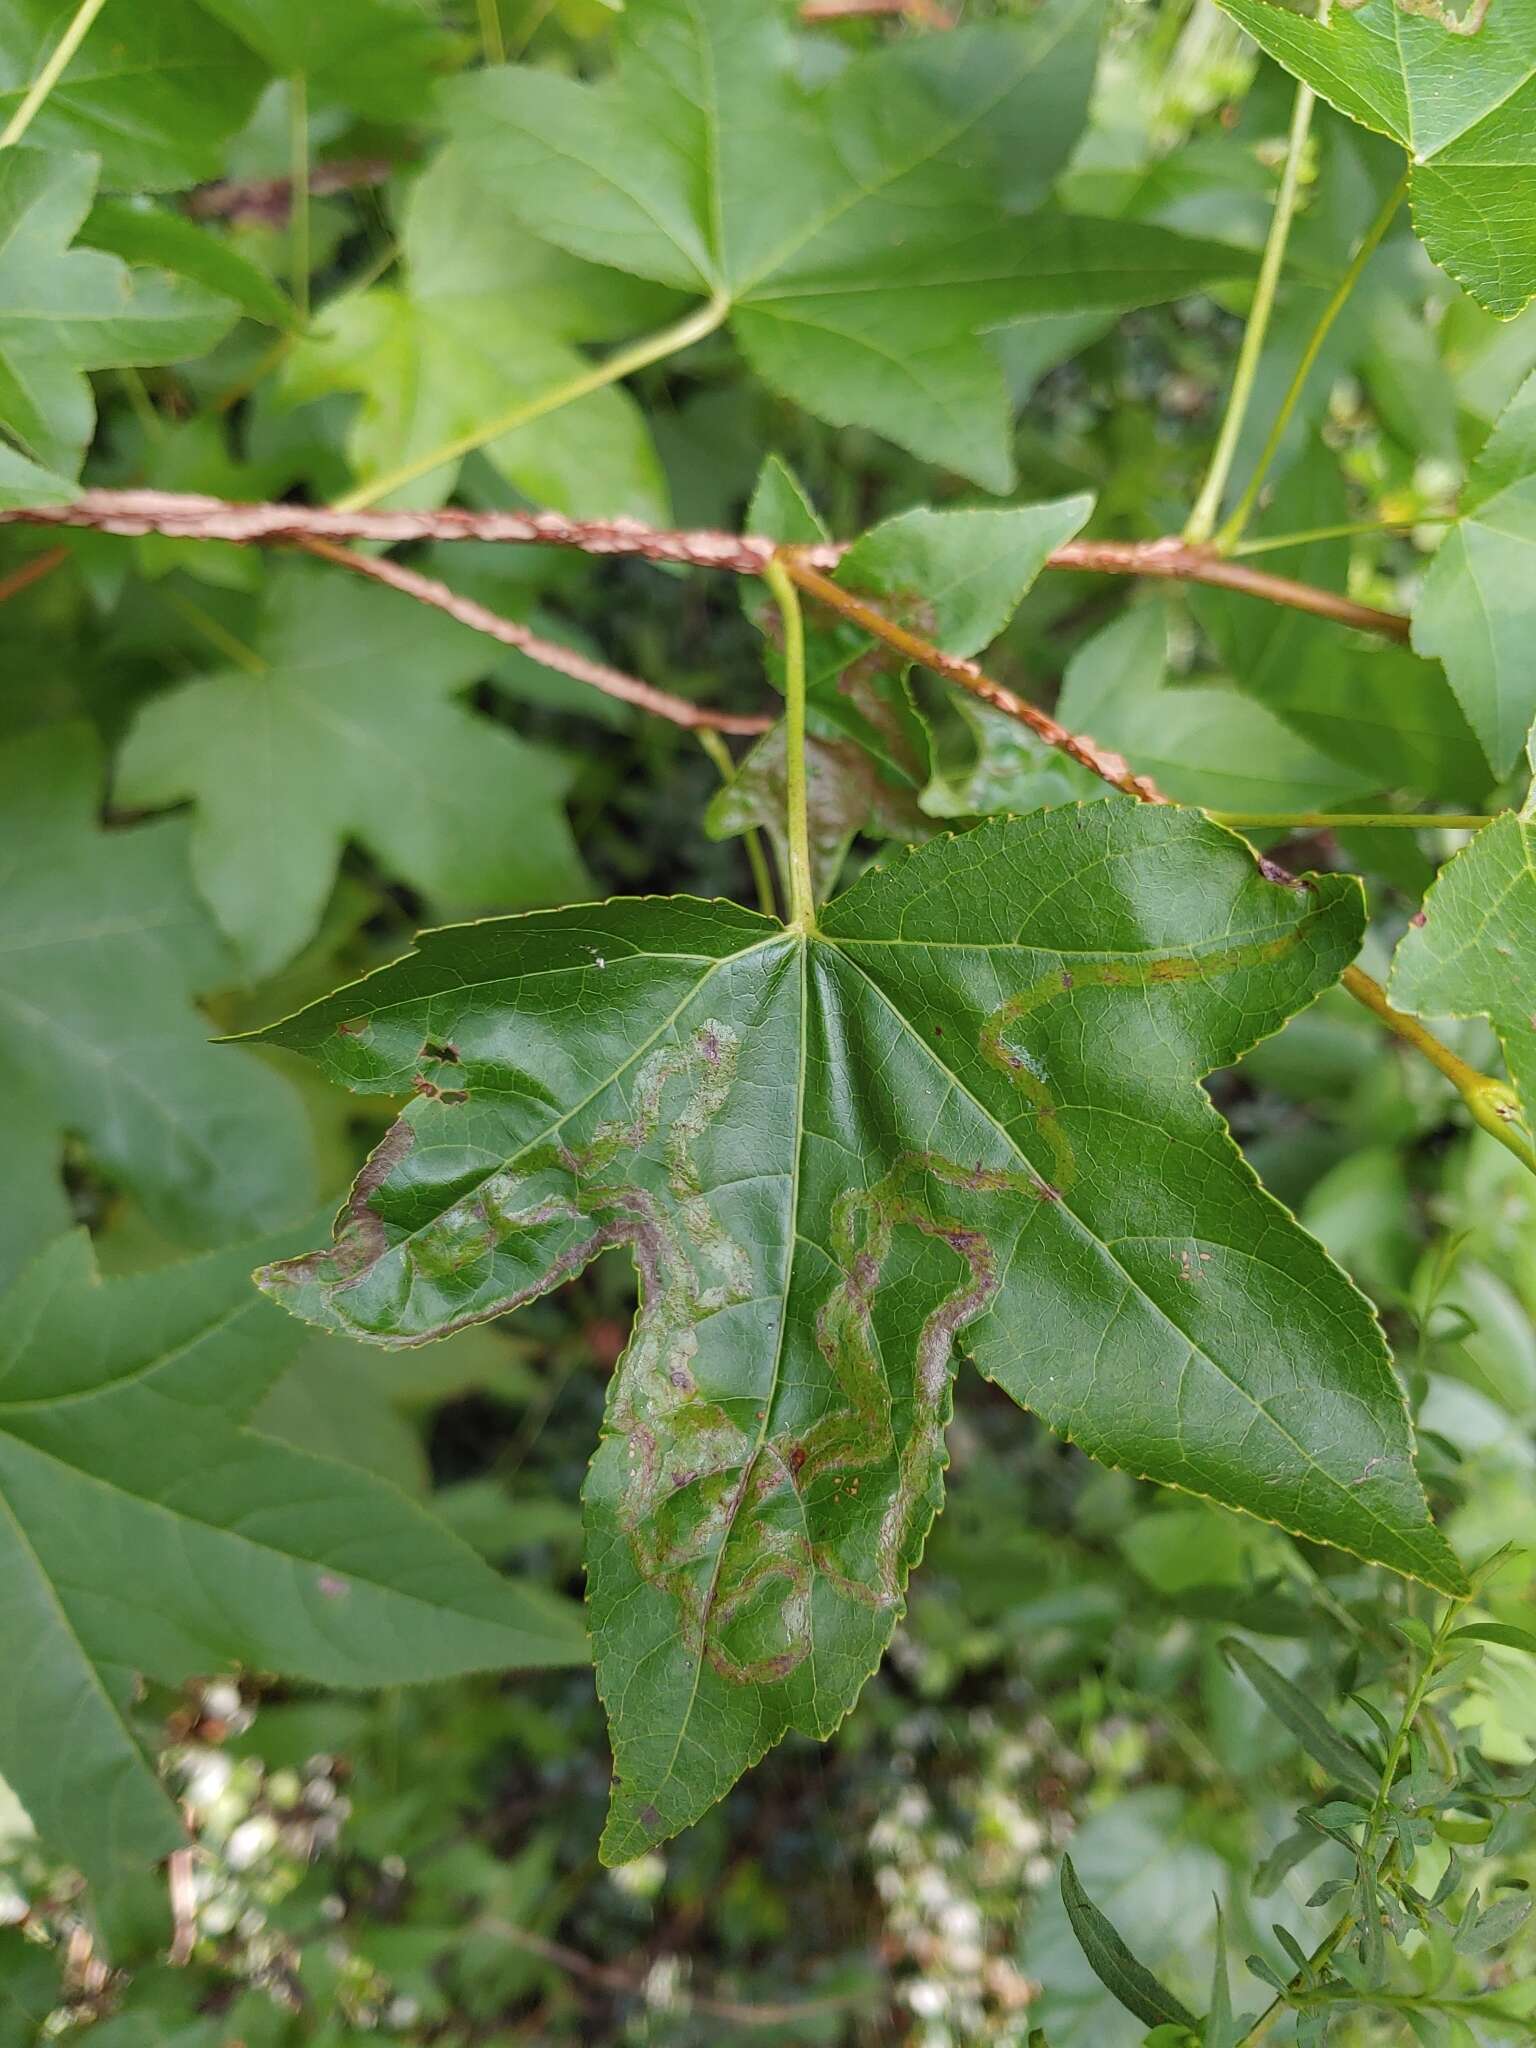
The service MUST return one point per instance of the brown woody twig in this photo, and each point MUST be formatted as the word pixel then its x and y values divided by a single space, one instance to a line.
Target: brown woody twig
pixel 548 653
pixel 31 572
pixel 193 517
pixel 269 200
pixel 926 13
pixel 1109 767
pixel 1180 562
pixel 1493 1105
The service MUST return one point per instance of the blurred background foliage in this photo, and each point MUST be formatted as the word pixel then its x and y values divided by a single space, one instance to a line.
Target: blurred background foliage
pixel 420 1866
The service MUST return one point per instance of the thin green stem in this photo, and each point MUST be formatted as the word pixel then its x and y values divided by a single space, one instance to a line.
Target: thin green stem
pixel 217 635
pixel 752 839
pixel 1319 1959
pixel 143 405
pixel 1232 532
pixel 490 32
pixel 298 196
pixel 1494 1104
pixel 37 92
pixel 802 894
pixel 1410 1714
pixel 1202 521
pixel 1298 1989
pixel 1273 541
pixel 1408 821
pixel 653 348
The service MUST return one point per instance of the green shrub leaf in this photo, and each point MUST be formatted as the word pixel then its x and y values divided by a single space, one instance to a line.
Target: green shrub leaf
pixel 1463 106
pixel 350 711
pixel 1316 1734
pixel 863 291
pixel 105 945
pixel 1129 1981
pixel 966 1109
pixel 144 1532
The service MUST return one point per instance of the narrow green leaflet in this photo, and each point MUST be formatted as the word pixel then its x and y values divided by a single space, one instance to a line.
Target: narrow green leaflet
pixel 967 1106
pixel 1462 105
pixel 104 944
pixel 486 316
pixel 64 311
pixel 349 730
pixel 1473 951
pixel 898 230
pixel 1342 1759
pixel 156 90
pixel 1128 1981
pixel 1478 605
pixel 144 1532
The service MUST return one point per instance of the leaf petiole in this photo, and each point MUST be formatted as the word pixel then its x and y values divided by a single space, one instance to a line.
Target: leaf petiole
pixel 37 93
pixel 298 181
pixel 652 348
pixel 802 895
pixel 1232 532
pixel 1202 520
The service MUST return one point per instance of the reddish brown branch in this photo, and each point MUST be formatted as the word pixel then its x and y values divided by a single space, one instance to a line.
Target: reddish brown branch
pixel 1177 560
pixel 31 572
pixel 548 653
pixel 926 13
pixel 269 200
pixel 193 517
pixel 1109 767
pixel 190 516
pixel 317 529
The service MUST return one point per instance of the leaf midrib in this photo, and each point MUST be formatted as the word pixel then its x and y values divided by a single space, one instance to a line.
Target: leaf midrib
pixel 794 1240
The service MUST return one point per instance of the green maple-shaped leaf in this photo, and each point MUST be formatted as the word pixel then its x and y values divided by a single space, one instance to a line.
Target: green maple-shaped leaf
pixel 64 311
pixel 155 90
pixel 145 1533
pixel 896 230
pixel 104 944
pixel 1473 954
pixel 1462 104
pixel 370 55
pixel 486 316
pixel 966 1108
pixel 1476 609
pixel 349 729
